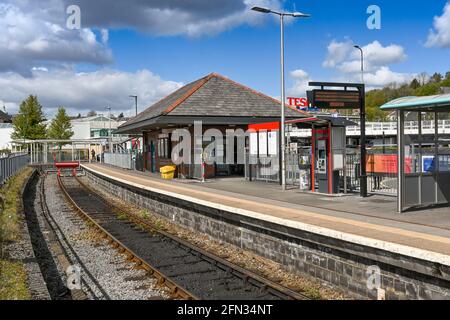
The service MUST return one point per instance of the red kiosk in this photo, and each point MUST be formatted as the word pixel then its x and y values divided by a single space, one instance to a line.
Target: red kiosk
pixel 328 145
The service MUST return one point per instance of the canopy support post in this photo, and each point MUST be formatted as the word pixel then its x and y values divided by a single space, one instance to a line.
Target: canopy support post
pixel 400 160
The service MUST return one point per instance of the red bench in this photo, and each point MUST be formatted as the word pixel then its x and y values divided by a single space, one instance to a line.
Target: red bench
pixel 67 165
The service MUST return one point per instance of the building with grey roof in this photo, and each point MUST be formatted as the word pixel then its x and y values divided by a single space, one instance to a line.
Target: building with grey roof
pixel 216 101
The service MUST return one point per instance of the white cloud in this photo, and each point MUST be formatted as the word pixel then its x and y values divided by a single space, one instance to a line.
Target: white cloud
pixel 384 76
pixel 35 33
pixel 34 36
pixel 300 85
pixel 346 60
pixel 337 53
pixel 377 55
pixel 175 17
pixel 82 92
pixel 439 36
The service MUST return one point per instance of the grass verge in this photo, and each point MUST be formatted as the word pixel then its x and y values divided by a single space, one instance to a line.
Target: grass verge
pixel 12 273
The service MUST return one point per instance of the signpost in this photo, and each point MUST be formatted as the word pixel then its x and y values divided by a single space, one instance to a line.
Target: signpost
pixel 351 96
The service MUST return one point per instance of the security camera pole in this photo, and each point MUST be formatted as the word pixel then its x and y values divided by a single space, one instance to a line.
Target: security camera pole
pixel 282 139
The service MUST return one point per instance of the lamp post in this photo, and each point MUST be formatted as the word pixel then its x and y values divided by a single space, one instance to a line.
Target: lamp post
pixel 362 62
pixel 109 134
pixel 363 171
pixel 282 127
pixel 135 102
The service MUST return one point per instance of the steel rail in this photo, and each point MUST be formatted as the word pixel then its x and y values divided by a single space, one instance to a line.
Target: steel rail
pixel 175 289
pixel 271 287
pixel 60 237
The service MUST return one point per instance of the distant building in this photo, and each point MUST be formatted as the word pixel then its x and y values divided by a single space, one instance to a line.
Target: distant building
pixel 93 127
pixel 5 118
pixel 6 130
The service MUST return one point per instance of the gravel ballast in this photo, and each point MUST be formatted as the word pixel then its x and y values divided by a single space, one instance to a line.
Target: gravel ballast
pixel 105 274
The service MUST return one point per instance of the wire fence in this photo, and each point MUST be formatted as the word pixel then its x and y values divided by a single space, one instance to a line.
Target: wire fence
pixel 10 164
pixel 381 167
pixel 128 160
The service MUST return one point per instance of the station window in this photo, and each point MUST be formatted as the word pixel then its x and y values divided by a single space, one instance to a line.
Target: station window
pixel 164 146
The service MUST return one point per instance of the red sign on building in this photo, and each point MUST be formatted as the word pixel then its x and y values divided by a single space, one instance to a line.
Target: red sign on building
pixel 298 102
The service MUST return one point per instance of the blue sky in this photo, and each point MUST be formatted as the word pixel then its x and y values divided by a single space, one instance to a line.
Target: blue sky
pixel 151 49
pixel 251 54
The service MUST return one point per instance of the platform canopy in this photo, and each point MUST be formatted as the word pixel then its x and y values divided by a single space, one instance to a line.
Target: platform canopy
pixel 321 120
pixel 436 103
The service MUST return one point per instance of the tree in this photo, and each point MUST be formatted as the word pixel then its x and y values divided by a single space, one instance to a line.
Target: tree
pixel 436 77
pixel 60 127
pixel 445 83
pixel 375 99
pixel 79 115
pixel 120 116
pixel 447 75
pixel 29 122
pixel 414 84
pixel 428 90
pixel 423 78
pixel 92 113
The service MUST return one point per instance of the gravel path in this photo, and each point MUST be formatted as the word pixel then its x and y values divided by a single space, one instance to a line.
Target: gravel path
pixel 104 272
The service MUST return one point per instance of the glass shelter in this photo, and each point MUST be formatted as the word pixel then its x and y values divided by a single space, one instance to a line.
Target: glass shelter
pixel 423 156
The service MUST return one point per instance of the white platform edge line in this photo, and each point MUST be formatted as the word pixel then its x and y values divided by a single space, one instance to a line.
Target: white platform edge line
pixel 370 242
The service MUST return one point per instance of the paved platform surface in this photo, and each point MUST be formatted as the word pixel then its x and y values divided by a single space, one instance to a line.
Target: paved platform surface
pixel 373 221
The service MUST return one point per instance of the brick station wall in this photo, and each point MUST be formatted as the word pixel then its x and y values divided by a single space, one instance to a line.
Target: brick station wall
pixel 339 264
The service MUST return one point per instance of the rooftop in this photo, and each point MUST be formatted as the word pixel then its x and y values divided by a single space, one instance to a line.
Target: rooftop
pixel 213 96
pixel 5 118
pixel 440 102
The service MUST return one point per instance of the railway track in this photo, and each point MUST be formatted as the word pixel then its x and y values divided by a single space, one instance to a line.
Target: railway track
pixel 188 271
pixel 67 255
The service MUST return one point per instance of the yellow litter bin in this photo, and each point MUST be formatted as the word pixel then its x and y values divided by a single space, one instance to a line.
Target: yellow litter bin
pixel 168 172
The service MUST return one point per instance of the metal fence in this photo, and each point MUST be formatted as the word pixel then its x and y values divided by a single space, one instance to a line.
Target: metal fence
pixel 121 160
pixel 262 168
pixel 10 164
pixel 380 180
pixel 381 172
pixel 127 160
pixel 266 168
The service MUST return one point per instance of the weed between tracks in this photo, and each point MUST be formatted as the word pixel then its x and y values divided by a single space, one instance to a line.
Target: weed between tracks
pixel 12 273
pixel 262 266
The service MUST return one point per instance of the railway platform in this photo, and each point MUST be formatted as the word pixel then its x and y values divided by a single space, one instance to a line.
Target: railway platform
pixel 335 239
pixel 373 218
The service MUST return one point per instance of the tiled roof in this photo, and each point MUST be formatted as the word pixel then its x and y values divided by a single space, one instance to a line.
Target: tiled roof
pixel 215 96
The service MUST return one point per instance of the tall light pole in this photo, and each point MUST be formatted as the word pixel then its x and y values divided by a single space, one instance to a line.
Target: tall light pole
pixel 109 134
pixel 135 102
pixel 283 98
pixel 362 125
pixel 362 62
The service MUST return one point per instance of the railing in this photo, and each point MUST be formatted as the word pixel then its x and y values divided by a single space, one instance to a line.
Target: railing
pixel 121 160
pixel 10 164
pixel 388 128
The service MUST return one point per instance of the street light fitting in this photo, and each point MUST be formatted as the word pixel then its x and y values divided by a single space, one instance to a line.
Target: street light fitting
pixel 261 9
pixel 362 61
pixel 289 14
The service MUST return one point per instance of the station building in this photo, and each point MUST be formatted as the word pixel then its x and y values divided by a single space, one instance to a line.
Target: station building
pixel 216 101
